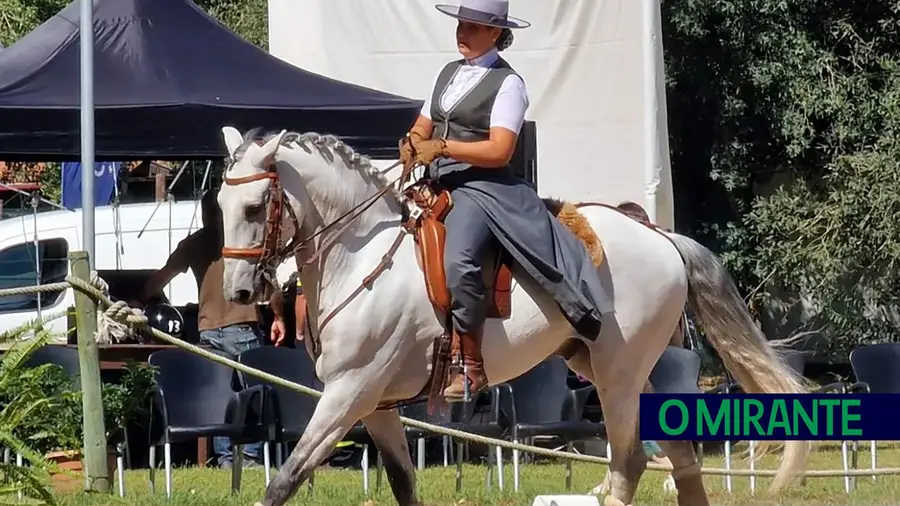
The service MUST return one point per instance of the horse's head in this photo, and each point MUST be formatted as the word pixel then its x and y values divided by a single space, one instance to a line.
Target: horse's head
pixel 327 187
pixel 255 210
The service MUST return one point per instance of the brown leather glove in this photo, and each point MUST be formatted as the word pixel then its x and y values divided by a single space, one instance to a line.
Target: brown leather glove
pixel 406 150
pixel 428 151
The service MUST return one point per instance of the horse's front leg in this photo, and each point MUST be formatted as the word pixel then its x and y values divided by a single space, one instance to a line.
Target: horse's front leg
pixel 390 439
pixel 343 402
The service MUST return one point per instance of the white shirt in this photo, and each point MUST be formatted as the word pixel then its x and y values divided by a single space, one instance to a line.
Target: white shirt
pixel 509 106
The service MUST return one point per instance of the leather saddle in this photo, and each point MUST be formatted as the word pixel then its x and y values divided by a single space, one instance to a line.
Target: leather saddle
pixel 430 236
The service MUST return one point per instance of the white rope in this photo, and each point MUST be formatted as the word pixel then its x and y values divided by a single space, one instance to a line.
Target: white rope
pixel 134 318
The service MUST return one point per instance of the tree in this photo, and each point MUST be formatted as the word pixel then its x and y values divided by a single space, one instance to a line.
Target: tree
pixel 18 17
pixel 247 18
pixel 785 112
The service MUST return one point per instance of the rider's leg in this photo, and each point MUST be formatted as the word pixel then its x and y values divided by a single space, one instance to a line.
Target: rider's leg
pixel 468 241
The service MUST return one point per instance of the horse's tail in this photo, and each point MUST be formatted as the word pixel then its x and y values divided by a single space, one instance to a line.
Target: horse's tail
pixel 714 300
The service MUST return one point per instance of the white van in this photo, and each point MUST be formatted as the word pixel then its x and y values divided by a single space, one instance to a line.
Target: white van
pixel 59 232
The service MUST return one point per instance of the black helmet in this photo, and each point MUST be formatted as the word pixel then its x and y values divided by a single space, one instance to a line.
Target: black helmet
pixel 165 318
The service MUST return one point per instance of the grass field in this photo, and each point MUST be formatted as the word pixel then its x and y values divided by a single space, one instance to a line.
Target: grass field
pixel 436 486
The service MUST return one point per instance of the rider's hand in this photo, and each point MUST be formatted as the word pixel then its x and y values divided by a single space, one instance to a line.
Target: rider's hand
pixel 406 150
pixel 409 145
pixel 278 332
pixel 428 151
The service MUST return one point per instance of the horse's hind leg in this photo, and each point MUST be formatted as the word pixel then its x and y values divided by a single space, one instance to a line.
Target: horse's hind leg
pixel 580 362
pixel 686 473
pixel 625 467
pixel 387 432
pixel 629 460
pixel 335 414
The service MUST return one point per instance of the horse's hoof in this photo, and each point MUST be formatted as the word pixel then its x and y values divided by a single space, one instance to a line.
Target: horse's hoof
pixel 599 489
pixel 612 501
pixel 669 485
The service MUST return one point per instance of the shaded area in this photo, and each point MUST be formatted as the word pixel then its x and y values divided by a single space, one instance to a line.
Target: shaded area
pixel 167 78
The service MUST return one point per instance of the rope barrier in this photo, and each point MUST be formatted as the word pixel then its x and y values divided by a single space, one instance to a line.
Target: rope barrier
pixel 27 290
pixel 123 313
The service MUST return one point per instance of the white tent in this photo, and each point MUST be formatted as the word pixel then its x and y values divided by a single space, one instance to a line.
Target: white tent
pixel 593 69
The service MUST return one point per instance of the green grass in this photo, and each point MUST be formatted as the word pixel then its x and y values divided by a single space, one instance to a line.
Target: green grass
pixel 436 486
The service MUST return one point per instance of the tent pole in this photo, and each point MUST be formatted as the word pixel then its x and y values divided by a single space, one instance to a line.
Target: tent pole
pixel 652 156
pixel 86 32
pixel 197 202
pixel 38 267
pixel 96 478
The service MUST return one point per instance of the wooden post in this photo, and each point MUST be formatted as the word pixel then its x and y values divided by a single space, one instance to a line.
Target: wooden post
pixel 160 180
pixel 94 455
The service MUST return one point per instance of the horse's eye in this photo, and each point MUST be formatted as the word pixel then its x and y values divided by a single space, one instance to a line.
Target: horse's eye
pixel 253 210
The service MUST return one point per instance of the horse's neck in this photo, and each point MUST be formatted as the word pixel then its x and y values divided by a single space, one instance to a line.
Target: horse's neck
pixel 334 191
pixel 359 248
pixel 336 279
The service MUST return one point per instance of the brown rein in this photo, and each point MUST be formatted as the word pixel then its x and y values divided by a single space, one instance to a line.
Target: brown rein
pixel 269 255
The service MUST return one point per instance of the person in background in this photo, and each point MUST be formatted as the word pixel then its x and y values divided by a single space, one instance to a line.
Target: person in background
pixel 635 212
pixel 300 311
pixel 229 327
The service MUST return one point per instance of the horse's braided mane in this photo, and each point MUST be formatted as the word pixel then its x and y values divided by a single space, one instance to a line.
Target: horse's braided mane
pixel 312 141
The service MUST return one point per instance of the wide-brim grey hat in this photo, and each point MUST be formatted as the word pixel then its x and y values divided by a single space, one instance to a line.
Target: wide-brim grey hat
pixel 484 12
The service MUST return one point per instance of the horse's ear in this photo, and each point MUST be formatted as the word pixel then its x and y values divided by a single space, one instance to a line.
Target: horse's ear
pixel 268 149
pixel 233 139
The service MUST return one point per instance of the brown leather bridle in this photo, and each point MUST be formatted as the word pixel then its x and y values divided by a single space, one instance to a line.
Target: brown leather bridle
pixel 268 254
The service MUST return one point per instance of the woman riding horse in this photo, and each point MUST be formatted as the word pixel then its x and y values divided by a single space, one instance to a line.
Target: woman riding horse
pixel 466 134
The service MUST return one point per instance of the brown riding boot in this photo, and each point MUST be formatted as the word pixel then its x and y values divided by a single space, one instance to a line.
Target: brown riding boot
pixel 471 350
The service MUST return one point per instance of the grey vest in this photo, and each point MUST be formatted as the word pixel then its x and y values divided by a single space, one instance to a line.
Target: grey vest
pixel 470 118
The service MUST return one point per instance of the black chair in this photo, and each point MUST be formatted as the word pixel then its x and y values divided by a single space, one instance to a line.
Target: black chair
pixel 63 356
pixel 678 372
pixel 194 398
pixel 419 411
pixel 291 410
pixel 796 360
pixel 876 368
pixel 462 417
pixel 540 404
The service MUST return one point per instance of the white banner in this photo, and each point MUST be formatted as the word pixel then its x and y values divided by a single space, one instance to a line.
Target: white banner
pixel 593 69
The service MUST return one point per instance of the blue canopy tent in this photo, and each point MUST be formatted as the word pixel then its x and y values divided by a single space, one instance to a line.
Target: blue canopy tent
pixel 167 78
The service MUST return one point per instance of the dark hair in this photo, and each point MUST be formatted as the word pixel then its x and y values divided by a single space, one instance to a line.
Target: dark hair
pixel 634 211
pixel 504 40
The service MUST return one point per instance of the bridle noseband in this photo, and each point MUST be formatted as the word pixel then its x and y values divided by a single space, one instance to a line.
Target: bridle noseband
pixel 268 254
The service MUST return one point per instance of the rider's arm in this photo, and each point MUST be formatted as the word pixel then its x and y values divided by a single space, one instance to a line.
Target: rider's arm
pixel 422 129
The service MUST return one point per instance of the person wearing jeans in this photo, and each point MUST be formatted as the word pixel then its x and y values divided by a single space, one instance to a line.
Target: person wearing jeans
pixel 234 340
pixel 226 326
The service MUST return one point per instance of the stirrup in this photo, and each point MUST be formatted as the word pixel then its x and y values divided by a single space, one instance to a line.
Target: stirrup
pixel 459 366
